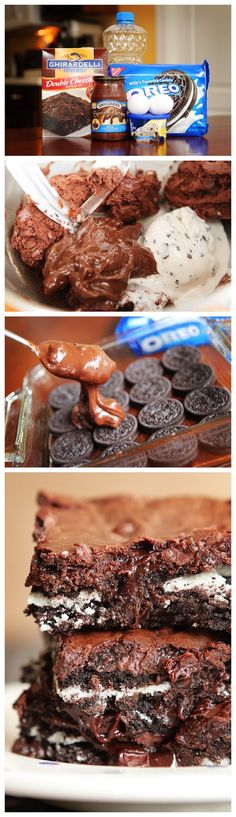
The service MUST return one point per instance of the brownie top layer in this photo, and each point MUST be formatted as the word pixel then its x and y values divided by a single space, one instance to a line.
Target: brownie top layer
pixel 68 527
pixel 138 652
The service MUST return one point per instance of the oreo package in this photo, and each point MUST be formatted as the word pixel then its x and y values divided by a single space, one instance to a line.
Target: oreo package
pixel 185 84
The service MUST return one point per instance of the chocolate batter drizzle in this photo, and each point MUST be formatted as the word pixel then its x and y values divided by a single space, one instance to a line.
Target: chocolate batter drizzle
pixel 92 367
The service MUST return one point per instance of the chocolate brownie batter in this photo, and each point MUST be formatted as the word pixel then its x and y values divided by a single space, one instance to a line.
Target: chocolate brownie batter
pixel 109 563
pixel 96 264
pixel 204 186
pixel 136 195
pixel 33 233
pixel 73 188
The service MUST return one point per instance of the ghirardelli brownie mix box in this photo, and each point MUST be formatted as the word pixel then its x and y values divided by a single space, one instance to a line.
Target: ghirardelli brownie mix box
pixel 67 84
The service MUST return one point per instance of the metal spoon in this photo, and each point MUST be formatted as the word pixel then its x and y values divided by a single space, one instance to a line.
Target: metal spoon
pixel 32 346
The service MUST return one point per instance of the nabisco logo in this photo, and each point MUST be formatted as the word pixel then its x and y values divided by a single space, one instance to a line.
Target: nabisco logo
pixel 116 71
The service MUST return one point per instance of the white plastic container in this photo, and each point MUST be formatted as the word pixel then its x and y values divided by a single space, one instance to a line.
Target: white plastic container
pixel 125 41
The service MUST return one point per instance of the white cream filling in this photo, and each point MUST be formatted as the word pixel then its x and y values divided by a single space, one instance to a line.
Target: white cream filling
pixel 57 737
pixel 143 717
pixel 81 758
pixel 83 598
pixel 62 737
pixel 214 583
pixel 34 732
pixel 76 693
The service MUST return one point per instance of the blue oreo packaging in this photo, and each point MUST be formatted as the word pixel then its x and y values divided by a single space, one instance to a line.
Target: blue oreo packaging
pixel 147 336
pixel 185 84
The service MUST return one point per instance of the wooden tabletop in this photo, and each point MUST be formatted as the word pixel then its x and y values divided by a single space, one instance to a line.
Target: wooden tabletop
pixel 28 142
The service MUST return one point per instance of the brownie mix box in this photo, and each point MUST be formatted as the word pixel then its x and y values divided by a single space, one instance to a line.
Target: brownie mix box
pixel 67 84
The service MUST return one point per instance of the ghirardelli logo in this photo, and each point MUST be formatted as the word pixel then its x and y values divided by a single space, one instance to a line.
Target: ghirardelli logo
pixel 74 62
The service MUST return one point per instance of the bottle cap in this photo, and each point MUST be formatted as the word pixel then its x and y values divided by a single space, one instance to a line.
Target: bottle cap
pixel 124 17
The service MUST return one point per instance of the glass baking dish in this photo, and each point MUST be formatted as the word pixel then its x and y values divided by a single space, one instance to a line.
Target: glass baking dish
pixel 27 437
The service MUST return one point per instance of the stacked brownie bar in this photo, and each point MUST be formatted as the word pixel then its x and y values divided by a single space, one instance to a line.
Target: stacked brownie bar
pixel 138 666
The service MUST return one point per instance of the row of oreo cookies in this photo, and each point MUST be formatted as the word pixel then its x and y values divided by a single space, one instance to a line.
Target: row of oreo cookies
pixel 159 414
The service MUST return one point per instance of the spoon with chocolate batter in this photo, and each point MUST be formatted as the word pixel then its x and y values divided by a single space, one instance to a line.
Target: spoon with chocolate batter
pixel 86 363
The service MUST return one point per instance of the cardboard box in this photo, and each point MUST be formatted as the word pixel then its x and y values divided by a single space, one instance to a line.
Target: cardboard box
pixel 67 84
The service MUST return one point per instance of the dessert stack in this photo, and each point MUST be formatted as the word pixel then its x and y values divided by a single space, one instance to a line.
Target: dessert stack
pixel 136 664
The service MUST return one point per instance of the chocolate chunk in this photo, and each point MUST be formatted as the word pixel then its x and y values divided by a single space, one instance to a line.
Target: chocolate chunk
pixel 160 414
pixel 193 377
pixel 60 422
pixel 177 356
pixel 142 369
pixel 71 448
pixel 148 390
pixel 207 401
pixel 65 396
pixel 106 436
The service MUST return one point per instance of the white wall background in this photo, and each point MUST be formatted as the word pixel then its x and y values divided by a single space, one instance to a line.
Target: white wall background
pixel 194 33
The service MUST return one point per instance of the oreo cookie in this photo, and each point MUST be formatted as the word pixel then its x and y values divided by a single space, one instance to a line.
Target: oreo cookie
pixel 189 378
pixel 60 422
pixel 207 401
pixel 121 397
pixel 161 433
pixel 185 97
pixel 145 368
pixel 148 390
pixel 106 436
pixel 160 414
pixel 134 460
pixel 114 384
pixel 179 356
pixel 65 396
pixel 216 439
pixel 177 452
pixel 72 448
